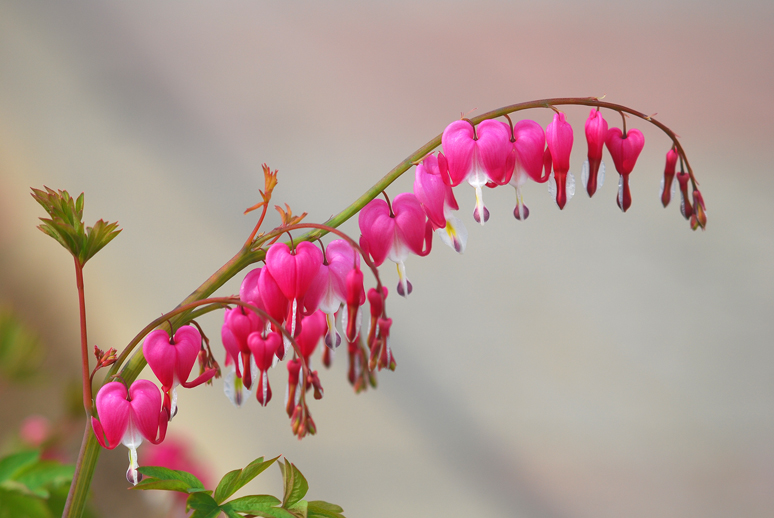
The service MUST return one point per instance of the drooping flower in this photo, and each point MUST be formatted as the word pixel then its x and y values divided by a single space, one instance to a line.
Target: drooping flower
pixel 128 417
pixel 529 142
pixel 171 360
pixel 238 323
pixel 438 200
pixel 353 316
pixel 685 204
pixel 293 272
pixel 329 287
pixel 667 184
pixel 593 172
pixel 394 231
pixel 624 148
pixel 559 138
pixel 263 349
pixel 478 155
pixel 699 217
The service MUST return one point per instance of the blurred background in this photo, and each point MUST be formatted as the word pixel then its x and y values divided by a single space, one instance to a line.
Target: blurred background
pixel 584 363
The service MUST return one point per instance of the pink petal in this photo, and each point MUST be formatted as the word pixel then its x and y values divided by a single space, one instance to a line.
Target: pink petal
pixel 530 143
pixel 410 222
pixel 458 144
pixel 146 407
pixel 559 139
pixel 113 411
pixel 161 356
pixel 378 229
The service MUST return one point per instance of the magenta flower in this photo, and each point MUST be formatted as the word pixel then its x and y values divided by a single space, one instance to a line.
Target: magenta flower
pixel 293 272
pixel 353 316
pixel 171 360
pixel 593 173
pixel 624 149
pixel 393 232
pixel 667 182
pixel 238 323
pixel 685 204
pixel 478 155
pixel 129 417
pixel 264 350
pixel 438 200
pixel 529 143
pixel 313 329
pixel 561 186
pixel 328 290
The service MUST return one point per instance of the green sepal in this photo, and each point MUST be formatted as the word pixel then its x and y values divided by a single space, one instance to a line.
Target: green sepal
pixel 295 484
pixel 169 480
pixel 320 509
pixel 234 480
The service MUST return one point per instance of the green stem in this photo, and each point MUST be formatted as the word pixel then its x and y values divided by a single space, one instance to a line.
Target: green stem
pixel 251 254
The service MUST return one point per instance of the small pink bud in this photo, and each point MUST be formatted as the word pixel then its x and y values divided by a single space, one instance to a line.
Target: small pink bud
pixel 669 175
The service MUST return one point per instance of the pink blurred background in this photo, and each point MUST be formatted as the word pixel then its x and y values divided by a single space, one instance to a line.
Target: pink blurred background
pixel 583 363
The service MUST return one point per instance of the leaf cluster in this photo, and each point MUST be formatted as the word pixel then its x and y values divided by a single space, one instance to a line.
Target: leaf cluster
pixel 65 224
pixel 33 487
pixel 208 504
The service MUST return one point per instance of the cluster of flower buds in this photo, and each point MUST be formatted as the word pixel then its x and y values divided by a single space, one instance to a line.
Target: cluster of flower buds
pixel 696 212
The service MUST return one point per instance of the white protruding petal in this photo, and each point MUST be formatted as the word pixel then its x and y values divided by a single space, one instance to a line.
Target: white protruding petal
pixel 233 387
pixel 264 386
pixel 132 475
pixel 570 186
pixel 585 174
pixel 404 283
pixel 254 369
pixel 552 186
pixel 601 175
pixel 299 387
pixel 454 235
pixel 173 409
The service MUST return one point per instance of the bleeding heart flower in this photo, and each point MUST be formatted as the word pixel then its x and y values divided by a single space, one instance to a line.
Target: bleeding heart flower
pixel 394 231
pixel 264 350
pixel 171 360
pixel 559 138
pixel 329 287
pixel 128 418
pixel 624 149
pixel 685 204
pixel 238 323
pixel 529 143
pixel 438 200
pixel 593 173
pixel 479 155
pixel 667 185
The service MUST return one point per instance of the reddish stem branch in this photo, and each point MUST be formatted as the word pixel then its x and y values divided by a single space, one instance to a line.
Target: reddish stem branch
pixel 87 397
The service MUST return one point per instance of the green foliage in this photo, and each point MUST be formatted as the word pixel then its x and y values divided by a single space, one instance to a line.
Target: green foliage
pixel 205 504
pixel 31 487
pixel 20 349
pixel 66 224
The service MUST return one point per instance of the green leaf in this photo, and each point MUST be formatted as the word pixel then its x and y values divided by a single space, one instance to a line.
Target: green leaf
pixel 204 506
pixel 66 224
pixel 14 504
pixel 38 477
pixel 320 509
pixel 234 480
pixel 294 482
pixel 256 508
pixel 190 482
pixel 164 485
pixel 298 509
pixel 12 465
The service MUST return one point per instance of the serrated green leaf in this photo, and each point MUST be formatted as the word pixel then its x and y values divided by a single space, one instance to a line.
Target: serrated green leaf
pixel 298 509
pixel 244 505
pixel 204 506
pixel 163 485
pixel 234 480
pixel 12 465
pixel 320 509
pixel 157 472
pixel 14 504
pixel 253 503
pixel 295 484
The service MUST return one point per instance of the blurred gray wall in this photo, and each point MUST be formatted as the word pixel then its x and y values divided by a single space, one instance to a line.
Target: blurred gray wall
pixel 584 363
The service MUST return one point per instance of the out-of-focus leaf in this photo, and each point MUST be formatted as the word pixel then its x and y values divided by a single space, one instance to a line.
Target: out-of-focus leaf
pixel 20 349
pixel 12 465
pixel 163 485
pixel 320 509
pixel 38 477
pixel 253 503
pixel 203 505
pixel 19 505
pixel 294 482
pixel 234 480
